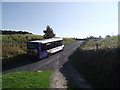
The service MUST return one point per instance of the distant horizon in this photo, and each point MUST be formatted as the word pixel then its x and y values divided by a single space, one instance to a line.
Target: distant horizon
pixel 57 36
pixel 75 19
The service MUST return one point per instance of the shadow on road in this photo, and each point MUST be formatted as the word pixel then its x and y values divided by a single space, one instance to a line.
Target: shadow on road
pixel 67 73
pixel 73 77
pixel 21 60
pixel 17 61
pixel 101 68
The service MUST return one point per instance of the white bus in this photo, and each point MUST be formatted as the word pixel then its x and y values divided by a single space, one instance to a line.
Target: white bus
pixel 43 48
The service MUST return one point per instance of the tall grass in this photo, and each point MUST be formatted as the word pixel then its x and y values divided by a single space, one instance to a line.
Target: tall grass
pixel 13 45
pixel 109 42
pixel 68 41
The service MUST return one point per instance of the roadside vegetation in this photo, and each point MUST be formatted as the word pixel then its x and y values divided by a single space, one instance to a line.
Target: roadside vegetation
pixel 26 79
pixel 106 43
pixel 68 41
pixel 5 32
pixel 101 68
pixel 15 44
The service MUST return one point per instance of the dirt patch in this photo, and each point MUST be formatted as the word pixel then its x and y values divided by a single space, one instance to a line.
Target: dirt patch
pixel 58 80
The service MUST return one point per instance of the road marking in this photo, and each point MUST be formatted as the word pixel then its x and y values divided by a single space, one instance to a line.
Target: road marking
pixel 58 57
pixel 57 62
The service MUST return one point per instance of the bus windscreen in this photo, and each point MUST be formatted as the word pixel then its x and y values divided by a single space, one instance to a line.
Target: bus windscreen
pixel 32 49
pixel 31 45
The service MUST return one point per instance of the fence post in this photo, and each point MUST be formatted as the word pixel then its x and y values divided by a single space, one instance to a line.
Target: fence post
pixel 96 46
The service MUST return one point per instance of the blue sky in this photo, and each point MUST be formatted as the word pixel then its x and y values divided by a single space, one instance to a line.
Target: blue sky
pixel 67 19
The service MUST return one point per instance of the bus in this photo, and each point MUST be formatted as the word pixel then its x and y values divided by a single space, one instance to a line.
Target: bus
pixel 43 48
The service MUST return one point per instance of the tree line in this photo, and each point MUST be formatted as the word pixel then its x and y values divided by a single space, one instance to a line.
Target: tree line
pixel 6 32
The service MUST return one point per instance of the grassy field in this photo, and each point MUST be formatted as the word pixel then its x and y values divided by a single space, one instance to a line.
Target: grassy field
pixel 101 68
pixel 26 80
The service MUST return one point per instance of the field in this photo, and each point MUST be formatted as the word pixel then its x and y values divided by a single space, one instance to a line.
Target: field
pixel 26 80
pixel 101 68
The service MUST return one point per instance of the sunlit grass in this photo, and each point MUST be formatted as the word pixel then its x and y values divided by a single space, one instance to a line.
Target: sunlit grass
pixel 27 80
pixel 13 45
pixel 68 41
pixel 105 43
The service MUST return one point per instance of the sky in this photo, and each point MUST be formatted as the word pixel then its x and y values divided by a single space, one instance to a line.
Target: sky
pixel 67 19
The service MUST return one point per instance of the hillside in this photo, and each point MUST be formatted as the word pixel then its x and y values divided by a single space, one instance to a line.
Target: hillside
pixel 13 45
pixel 6 32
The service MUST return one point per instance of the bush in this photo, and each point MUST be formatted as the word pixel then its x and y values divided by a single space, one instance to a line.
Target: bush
pixel 100 67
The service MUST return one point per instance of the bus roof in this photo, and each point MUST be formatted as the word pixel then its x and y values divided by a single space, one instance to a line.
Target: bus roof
pixel 47 40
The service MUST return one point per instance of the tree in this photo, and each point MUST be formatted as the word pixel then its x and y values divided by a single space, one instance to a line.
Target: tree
pixel 118 35
pixel 100 37
pixel 107 36
pixel 5 32
pixel 48 33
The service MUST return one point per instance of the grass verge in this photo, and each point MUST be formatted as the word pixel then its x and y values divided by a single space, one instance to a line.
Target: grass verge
pixel 68 41
pixel 26 80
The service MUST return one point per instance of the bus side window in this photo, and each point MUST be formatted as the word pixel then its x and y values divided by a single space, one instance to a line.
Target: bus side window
pixel 61 42
pixel 58 43
pixel 54 44
pixel 50 45
pixel 43 47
